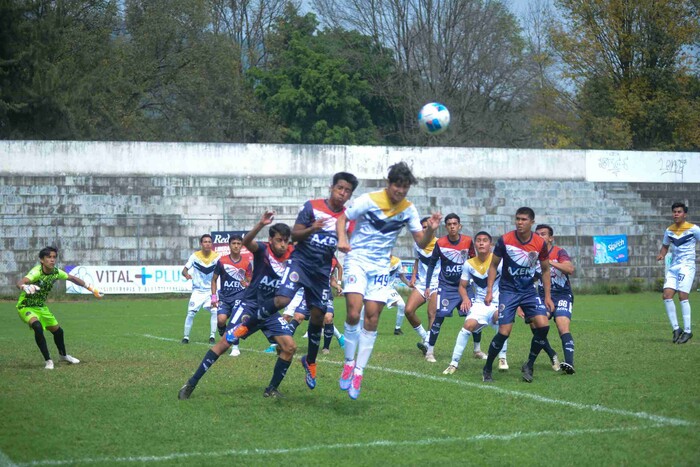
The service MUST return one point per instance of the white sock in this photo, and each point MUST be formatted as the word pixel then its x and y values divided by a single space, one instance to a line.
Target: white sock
pixel 421 332
pixel 213 322
pixel 477 346
pixel 188 323
pixel 430 348
pixel 336 333
pixel 685 309
pixel 352 336
pixel 365 347
pixel 460 345
pixel 400 314
pixel 671 312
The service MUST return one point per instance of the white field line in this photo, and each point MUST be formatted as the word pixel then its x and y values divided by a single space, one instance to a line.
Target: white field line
pixel 5 461
pixel 510 392
pixel 324 447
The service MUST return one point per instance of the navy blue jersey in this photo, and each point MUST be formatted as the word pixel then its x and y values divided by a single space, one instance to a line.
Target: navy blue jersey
pixel 560 281
pixel 520 260
pixel 233 276
pixel 316 252
pixel 267 271
pixel 452 256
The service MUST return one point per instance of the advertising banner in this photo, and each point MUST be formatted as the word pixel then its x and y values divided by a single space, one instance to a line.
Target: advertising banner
pixel 130 279
pixel 220 241
pixel 610 249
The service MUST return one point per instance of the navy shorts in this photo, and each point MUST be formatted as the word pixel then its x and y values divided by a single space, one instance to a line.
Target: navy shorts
pixel 563 305
pixel 530 302
pixel 226 307
pixel 448 299
pixel 304 310
pixel 317 289
pixel 274 325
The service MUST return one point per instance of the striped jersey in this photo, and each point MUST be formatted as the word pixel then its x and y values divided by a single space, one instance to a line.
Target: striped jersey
pixel 201 268
pixel 423 256
pixel 377 226
pixel 682 240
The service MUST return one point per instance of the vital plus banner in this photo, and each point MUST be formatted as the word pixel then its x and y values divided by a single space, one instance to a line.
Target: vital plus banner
pixel 130 279
pixel 610 249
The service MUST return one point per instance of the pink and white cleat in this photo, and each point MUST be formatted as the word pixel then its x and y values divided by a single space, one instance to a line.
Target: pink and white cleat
pixel 346 376
pixel 354 391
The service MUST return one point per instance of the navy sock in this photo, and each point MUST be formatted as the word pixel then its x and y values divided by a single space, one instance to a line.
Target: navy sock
pixel 209 359
pixel 314 342
pixel 567 341
pixel 58 340
pixel 494 349
pixel 435 330
pixel 327 335
pixel 477 337
pixel 40 339
pixel 539 337
pixel 294 324
pixel 278 373
pixel 547 348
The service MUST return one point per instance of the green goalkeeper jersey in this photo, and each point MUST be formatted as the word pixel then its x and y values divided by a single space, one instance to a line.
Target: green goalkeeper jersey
pixel 45 283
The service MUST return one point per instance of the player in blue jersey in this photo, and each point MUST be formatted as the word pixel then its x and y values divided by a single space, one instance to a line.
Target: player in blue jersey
pixel 310 265
pixel 199 269
pixel 681 237
pixel 520 250
pixel 380 216
pixel 269 262
pixel 233 271
pixel 451 251
pixel 32 309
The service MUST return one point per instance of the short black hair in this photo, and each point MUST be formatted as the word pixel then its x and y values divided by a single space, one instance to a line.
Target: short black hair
pixel 545 226
pixel 483 232
pixel 46 251
pixel 348 177
pixel 400 174
pixel 201 239
pixel 452 215
pixel 235 237
pixel 678 204
pixel 282 229
pixel 527 211
pixel 425 219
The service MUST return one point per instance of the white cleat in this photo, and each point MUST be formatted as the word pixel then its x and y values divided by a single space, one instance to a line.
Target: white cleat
pixel 235 351
pixel 503 364
pixel 450 370
pixel 555 363
pixel 49 365
pixel 429 357
pixel 69 359
pixel 479 355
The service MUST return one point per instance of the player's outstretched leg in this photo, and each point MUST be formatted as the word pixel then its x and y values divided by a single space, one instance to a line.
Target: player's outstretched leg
pixel 287 350
pixel 209 359
pixel 434 334
pixel 41 343
pixel 365 347
pixel 58 339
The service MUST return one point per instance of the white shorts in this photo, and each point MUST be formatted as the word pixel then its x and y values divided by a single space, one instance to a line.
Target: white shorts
pixel 368 280
pixel 483 314
pixel 198 300
pixel 294 304
pixel 680 278
pixel 395 299
pixel 421 289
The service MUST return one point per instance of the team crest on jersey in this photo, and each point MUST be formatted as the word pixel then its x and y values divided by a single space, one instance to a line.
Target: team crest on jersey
pixel 445 302
pixel 533 255
pixel 294 276
pixel 351 279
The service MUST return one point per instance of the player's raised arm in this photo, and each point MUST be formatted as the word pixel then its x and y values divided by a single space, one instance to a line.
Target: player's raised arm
pixel 493 273
pixel 249 239
pixel 341 230
pixel 423 237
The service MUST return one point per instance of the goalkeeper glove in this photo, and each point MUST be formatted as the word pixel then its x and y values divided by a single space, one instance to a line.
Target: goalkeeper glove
pixel 30 289
pixel 94 291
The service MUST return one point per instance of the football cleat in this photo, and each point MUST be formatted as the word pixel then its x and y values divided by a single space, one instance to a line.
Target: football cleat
pixel 49 365
pixel 69 359
pixel 271 391
pixel 310 369
pixel 566 368
pixel 185 392
pixel 422 347
pixel 450 370
pixel 212 341
pixel 354 390
pixel 235 351
pixel 341 341
pixel 346 376
pixel 555 362
pixel 677 334
pixel 398 332
pixel 503 364
pixel 325 351
pixel 527 373
pixel 429 357
pixel 685 337
pixel 486 376
pixel 271 349
pixel 479 355
pixel 185 340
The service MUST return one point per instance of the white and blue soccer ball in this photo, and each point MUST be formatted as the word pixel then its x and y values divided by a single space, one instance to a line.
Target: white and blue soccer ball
pixel 434 118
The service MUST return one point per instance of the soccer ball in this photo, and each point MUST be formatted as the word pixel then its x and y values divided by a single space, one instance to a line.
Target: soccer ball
pixel 434 118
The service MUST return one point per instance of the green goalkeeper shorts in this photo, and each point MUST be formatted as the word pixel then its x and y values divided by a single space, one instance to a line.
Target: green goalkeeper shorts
pixel 42 313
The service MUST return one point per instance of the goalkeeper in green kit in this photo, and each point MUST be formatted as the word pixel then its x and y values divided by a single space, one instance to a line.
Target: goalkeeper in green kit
pixel 32 309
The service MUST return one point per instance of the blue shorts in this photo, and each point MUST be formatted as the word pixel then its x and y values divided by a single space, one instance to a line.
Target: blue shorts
pixel 317 288
pixel 274 325
pixel 448 299
pixel 563 305
pixel 530 302
pixel 226 307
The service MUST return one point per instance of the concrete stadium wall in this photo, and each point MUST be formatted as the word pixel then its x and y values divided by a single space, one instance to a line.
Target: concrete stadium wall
pixel 148 203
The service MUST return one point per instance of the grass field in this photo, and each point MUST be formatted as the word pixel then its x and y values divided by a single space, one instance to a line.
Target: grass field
pixel 634 399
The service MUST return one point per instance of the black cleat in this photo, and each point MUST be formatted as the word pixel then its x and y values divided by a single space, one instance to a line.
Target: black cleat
pixel 566 368
pixel 398 332
pixel 677 333
pixel 212 341
pixel 527 373
pixel 685 337
pixel 185 392
pixel 272 392
pixel 422 347
pixel 486 376
pixel 185 340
